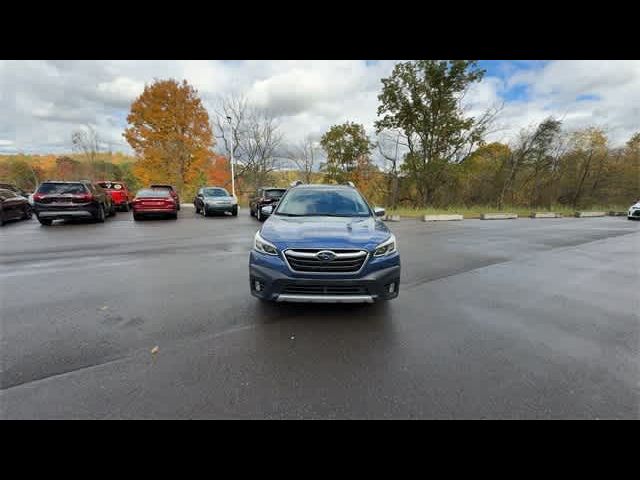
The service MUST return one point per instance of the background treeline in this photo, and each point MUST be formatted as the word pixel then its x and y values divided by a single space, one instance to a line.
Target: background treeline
pixel 426 151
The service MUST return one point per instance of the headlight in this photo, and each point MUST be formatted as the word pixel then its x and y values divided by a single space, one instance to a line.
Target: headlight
pixel 386 248
pixel 262 246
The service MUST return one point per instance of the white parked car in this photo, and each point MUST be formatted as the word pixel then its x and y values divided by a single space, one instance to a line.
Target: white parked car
pixel 634 211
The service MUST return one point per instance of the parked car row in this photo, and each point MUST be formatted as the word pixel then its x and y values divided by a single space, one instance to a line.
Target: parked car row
pixel 83 199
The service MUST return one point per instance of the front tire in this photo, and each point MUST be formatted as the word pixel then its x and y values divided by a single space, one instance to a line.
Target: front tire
pixel 125 207
pixel 137 217
pixel 45 221
pixel 234 212
pixel 204 212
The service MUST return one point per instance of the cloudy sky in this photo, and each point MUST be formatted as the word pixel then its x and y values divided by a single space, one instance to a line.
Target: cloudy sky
pixel 42 102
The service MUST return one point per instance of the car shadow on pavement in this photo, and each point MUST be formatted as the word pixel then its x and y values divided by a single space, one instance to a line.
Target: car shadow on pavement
pixel 268 312
pixel 11 223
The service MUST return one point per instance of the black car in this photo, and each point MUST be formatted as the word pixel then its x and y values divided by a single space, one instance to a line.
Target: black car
pixel 262 197
pixel 55 200
pixel 13 206
pixel 14 188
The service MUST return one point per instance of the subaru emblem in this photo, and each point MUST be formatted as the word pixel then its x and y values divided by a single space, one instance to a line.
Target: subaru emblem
pixel 326 256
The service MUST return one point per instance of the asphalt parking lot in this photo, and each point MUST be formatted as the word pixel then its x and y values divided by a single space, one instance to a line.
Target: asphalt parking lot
pixel 495 319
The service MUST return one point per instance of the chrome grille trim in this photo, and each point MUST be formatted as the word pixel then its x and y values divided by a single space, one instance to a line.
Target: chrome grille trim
pixel 346 256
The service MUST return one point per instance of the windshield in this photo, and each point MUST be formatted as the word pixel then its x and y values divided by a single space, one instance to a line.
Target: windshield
pixel 162 187
pixel 153 194
pixel 215 192
pixel 62 188
pixel 111 185
pixel 274 193
pixel 341 202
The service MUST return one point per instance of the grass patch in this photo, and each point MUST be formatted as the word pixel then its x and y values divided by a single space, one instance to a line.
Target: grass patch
pixel 475 211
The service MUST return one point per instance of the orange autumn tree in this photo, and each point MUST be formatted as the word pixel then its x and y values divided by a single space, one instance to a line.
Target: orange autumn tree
pixel 219 172
pixel 170 133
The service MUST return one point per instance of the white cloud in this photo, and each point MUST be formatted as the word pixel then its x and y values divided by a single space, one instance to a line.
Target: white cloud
pixel 44 101
pixel 120 91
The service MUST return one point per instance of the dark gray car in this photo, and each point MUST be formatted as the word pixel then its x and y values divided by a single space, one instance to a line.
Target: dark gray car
pixel 55 200
pixel 211 200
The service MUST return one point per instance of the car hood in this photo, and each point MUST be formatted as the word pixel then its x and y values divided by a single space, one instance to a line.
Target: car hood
pixel 324 232
pixel 635 205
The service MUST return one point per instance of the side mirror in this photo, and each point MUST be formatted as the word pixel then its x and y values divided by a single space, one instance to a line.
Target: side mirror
pixel 267 210
pixel 379 211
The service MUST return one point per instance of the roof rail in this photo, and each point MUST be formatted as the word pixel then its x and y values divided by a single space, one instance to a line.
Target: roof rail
pixel 350 184
pixel 296 183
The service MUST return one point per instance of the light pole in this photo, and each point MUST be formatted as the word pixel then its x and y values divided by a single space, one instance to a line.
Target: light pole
pixel 233 180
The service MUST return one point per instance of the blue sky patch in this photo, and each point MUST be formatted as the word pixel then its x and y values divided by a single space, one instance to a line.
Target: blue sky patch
pixel 588 97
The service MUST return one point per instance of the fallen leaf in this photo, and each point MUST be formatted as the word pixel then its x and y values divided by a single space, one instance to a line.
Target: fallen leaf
pixel 155 349
pixel 104 308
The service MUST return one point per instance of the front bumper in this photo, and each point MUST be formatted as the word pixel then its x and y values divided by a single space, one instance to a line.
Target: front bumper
pixel 208 208
pixel 281 285
pixel 634 214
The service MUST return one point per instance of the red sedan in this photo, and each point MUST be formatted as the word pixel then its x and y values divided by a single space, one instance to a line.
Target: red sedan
pixel 120 196
pixel 152 202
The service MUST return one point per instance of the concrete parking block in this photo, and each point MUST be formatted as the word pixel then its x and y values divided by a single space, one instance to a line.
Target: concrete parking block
pixel 590 214
pixel 441 218
pixel 498 216
pixel 545 215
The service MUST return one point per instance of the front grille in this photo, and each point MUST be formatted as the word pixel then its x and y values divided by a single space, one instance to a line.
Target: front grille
pixel 297 289
pixel 345 261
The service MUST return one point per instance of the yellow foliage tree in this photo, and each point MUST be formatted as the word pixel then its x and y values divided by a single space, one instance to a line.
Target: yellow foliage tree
pixel 170 133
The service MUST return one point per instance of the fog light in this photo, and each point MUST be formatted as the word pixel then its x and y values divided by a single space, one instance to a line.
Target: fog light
pixel 258 286
pixel 392 287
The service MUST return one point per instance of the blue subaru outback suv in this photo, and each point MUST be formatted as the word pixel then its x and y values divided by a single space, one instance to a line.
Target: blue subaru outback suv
pixel 324 243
